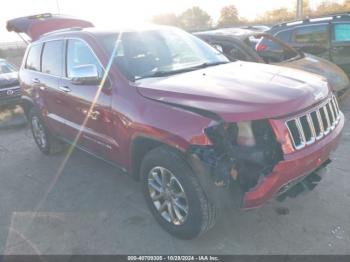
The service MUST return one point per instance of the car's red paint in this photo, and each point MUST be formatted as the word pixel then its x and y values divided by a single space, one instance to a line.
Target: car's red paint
pixel 235 92
pixel 240 91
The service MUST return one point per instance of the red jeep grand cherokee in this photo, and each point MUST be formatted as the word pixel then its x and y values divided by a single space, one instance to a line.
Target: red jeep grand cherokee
pixel 168 109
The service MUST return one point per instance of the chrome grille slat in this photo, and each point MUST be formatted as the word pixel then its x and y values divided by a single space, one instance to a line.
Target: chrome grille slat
pixel 307 128
pixel 327 119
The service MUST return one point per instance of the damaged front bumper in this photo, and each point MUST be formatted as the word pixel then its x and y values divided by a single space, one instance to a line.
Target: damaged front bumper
pixel 295 167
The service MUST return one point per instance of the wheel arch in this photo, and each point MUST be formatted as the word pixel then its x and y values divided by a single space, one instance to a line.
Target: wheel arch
pixel 140 146
pixel 27 104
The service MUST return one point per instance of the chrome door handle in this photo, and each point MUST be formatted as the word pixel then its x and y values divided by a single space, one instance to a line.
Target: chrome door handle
pixel 64 89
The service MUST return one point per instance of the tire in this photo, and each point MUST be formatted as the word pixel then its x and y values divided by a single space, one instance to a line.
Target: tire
pixel 45 141
pixel 201 214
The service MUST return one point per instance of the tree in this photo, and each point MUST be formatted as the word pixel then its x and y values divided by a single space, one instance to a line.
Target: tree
pixel 276 16
pixel 346 5
pixel 306 8
pixel 326 8
pixel 229 16
pixel 195 19
pixel 166 19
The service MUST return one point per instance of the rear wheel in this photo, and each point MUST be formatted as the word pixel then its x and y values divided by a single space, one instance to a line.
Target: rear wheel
pixel 174 195
pixel 47 143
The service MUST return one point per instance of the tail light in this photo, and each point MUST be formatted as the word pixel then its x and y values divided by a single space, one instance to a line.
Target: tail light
pixel 260 47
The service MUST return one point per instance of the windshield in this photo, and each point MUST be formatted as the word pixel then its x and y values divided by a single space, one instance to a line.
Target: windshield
pixel 6 68
pixel 160 52
pixel 271 50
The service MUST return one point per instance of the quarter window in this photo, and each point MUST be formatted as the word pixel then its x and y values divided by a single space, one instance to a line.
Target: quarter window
pixel 33 59
pixel 285 36
pixel 312 34
pixel 341 32
pixel 52 58
pixel 79 53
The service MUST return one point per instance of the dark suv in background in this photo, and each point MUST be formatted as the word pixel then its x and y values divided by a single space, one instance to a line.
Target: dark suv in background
pixel 168 109
pixel 255 46
pixel 10 93
pixel 327 37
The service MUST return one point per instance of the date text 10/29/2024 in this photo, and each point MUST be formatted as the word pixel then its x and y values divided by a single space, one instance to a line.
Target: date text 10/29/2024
pixel 173 258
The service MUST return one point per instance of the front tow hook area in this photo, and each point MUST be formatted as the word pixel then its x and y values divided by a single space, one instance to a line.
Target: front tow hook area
pixel 302 186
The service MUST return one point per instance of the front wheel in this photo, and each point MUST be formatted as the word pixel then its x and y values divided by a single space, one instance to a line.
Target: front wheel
pixel 174 194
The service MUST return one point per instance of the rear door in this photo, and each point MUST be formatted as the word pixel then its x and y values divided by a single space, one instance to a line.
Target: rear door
pixel 52 61
pixel 340 50
pixel 90 129
pixel 313 39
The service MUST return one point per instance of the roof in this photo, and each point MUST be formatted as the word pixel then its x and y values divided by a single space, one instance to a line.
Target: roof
pixel 102 31
pixel 232 32
pixel 333 17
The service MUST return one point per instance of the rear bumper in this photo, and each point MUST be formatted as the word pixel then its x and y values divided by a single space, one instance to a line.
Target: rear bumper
pixel 295 166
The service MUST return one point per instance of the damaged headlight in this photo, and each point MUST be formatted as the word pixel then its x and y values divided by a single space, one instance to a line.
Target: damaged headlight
pixel 240 133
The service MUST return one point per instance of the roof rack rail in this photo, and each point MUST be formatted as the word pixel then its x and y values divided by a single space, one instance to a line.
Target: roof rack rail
pixel 315 19
pixel 62 31
pixel 39 16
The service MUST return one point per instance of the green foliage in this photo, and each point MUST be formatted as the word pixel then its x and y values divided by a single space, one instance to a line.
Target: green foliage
pixel 229 16
pixel 195 19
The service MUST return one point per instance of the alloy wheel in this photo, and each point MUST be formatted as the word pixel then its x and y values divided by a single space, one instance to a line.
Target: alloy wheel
pixel 168 195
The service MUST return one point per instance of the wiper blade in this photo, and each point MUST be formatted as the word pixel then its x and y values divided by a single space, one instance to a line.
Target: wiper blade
pixel 159 74
pixel 206 64
pixel 182 70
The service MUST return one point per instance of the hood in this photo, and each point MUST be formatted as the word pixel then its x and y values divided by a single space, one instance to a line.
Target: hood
pixel 37 25
pixel 8 80
pixel 239 91
pixel 313 64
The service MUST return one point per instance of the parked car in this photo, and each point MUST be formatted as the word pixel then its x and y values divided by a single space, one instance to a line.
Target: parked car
pixel 327 37
pixel 10 93
pixel 253 46
pixel 168 109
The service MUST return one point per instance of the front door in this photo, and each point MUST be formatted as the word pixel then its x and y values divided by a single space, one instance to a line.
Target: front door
pixel 88 123
pixel 340 50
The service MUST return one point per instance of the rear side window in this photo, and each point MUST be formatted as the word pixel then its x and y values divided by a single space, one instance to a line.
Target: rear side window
pixel 285 36
pixel 33 59
pixel 52 58
pixel 312 34
pixel 341 32
pixel 79 53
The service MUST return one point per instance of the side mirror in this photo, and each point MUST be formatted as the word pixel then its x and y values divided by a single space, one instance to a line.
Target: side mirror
pixel 85 75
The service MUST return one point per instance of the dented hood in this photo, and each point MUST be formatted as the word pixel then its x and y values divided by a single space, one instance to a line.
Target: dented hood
pixel 313 64
pixel 239 91
pixel 37 25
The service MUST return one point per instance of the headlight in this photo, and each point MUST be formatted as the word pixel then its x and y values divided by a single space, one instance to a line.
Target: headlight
pixel 240 133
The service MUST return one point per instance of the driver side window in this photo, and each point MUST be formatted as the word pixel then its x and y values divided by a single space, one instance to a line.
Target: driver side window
pixel 78 54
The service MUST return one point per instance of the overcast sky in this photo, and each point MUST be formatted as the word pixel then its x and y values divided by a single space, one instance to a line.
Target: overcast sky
pixel 108 13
